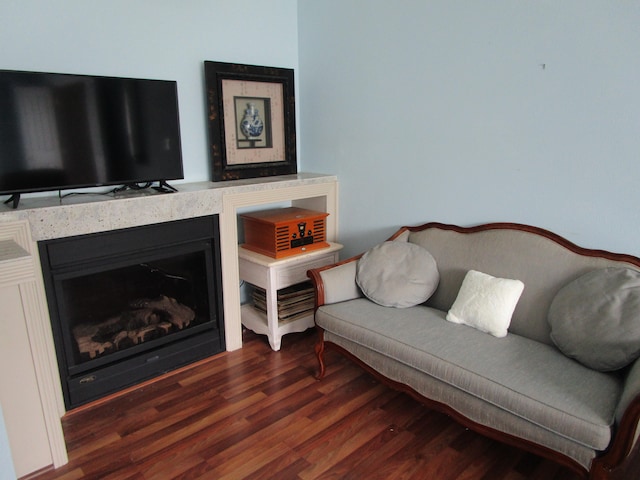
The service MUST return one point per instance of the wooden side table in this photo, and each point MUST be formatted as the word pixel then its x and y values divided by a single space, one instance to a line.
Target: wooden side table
pixel 272 275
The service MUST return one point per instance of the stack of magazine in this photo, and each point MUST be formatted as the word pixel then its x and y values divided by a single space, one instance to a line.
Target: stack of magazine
pixel 294 302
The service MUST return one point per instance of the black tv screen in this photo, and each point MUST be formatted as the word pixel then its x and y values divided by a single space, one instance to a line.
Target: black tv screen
pixel 62 131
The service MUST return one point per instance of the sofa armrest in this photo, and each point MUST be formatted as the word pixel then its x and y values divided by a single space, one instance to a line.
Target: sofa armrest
pixel 630 392
pixel 335 283
pixel 624 452
pixel 628 410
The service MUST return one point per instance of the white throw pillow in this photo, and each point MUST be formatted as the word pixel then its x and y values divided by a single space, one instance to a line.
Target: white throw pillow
pixel 486 303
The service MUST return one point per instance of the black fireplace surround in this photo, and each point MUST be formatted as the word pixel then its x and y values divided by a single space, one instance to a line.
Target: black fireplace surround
pixel 128 305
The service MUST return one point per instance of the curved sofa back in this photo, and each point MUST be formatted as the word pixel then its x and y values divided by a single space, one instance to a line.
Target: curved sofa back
pixel 543 261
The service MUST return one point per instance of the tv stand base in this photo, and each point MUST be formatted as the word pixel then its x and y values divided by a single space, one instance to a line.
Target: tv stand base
pixel 164 187
pixel 14 200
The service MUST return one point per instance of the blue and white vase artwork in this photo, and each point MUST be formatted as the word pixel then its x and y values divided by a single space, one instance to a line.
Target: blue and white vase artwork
pixel 251 125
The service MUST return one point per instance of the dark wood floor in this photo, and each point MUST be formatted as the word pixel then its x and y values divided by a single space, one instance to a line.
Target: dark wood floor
pixel 258 414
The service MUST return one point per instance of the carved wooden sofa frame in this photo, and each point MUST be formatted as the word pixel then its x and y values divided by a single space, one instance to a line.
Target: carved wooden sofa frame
pixel 622 458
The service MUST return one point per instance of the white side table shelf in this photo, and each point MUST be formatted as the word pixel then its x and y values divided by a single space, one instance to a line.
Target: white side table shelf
pixel 272 275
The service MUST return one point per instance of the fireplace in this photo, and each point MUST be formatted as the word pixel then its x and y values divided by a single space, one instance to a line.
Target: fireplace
pixel 127 305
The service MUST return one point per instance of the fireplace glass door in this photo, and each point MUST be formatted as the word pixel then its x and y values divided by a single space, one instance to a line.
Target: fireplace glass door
pixel 111 310
pixel 146 307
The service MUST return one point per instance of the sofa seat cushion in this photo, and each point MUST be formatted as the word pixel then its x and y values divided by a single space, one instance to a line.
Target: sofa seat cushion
pixel 526 378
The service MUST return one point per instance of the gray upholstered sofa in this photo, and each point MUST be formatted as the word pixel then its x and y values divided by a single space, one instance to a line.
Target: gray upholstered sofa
pixel 519 388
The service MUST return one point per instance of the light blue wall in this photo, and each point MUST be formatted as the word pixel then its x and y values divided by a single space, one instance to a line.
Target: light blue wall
pixel 163 39
pixel 425 109
pixel 7 471
pixel 468 112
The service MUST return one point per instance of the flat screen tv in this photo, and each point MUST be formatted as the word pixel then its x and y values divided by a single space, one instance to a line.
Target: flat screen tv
pixel 62 131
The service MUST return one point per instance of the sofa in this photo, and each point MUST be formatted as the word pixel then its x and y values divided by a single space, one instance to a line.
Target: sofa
pixel 510 329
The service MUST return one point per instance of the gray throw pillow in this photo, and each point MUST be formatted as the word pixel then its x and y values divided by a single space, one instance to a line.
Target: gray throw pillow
pixel 595 319
pixel 397 274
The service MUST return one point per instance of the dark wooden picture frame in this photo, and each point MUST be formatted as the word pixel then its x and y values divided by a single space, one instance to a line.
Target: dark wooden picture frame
pixel 233 91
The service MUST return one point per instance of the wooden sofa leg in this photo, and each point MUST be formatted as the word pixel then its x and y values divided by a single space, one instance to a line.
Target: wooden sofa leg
pixel 626 469
pixel 320 354
pixel 599 472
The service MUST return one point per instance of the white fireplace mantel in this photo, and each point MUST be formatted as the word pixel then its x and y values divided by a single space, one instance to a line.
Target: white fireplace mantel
pixel 44 218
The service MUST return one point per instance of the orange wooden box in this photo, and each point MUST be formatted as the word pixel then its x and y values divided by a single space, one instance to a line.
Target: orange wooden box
pixel 283 232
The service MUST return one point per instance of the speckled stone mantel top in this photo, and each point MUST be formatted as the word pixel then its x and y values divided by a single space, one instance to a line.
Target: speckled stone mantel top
pixel 51 217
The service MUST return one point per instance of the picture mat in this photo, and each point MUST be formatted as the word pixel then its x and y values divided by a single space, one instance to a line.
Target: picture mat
pixel 242 88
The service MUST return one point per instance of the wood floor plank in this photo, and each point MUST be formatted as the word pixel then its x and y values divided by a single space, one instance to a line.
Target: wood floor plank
pixel 259 414
pixel 285 467
pixel 371 460
pixel 333 424
pixel 170 466
pixel 178 433
pixel 250 438
pixel 94 444
pixel 333 451
pixel 238 466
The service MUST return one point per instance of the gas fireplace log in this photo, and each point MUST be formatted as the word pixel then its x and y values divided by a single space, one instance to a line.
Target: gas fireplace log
pixel 123 340
pixel 139 318
pixel 87 345
pixel 94 349
pixel 178 314
pixel 164 327
pixel 147 319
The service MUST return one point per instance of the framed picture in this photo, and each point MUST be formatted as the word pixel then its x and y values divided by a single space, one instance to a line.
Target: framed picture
pixel 251 116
